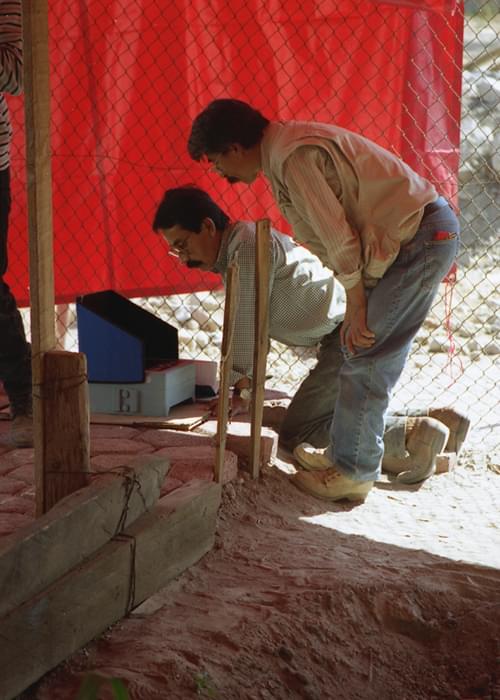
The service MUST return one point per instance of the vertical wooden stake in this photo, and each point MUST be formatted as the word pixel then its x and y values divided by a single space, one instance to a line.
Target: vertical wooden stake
pixel 226 363
pixel 39 194
pixel 65 451
pixel 60 403
pixel 262 271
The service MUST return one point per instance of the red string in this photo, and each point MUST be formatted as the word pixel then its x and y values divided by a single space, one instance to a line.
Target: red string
pixel 449 285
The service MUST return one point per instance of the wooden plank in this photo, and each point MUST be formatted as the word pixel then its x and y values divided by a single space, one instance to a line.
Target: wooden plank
pixel 45 630
pixel 226 363
pixel 65 452
pixel 262 271
pixel 36 555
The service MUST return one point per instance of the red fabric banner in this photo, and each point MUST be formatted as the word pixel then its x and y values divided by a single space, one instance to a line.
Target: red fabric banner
pixel 127 78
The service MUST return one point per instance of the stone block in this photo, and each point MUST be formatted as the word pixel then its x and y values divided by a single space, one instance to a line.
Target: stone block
pixel 10 522
pixel 238 440
pixel 25 473
pixel 188 463
pixel 120 432
pixel 10 487
pixel 118 445
pixel 175 438
pixel 18 504
pixel 105 462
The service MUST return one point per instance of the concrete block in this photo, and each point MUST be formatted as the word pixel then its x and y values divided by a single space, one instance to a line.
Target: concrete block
pixel 25 473
pixel 18 457
pixel 175 438
pixel 121 432
pixel 105 462
pixel 9 486
pixel 238 440
pixel 22 505
pixel 110 445
pixel 188 463
pixel 6 465
pixel 10 522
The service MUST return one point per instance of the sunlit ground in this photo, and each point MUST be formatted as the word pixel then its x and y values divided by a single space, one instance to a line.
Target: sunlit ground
pixel 453 515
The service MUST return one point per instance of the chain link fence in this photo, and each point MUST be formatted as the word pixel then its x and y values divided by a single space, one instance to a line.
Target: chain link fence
pixel 455 359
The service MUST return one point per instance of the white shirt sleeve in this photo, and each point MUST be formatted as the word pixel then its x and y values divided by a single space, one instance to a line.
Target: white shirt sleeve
pixel 315 202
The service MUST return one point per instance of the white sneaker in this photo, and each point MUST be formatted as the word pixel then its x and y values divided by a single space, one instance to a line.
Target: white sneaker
pixel 312 458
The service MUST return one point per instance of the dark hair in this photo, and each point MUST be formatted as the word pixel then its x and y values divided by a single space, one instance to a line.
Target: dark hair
pixel 187 206
pixel 222 123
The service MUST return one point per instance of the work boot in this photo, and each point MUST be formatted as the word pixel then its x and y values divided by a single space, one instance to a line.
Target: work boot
pixel 425 438
pixel 458 425
pixel 330 485
pixel 312 458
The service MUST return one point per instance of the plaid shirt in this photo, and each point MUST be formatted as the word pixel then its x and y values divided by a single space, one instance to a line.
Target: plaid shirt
pixel 305 301
pixel 11 69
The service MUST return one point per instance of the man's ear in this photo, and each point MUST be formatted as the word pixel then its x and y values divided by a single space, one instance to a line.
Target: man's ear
pixel 210 226
pixel 237 149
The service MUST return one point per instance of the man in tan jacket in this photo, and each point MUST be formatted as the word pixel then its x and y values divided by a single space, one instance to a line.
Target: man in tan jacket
pixel 385 233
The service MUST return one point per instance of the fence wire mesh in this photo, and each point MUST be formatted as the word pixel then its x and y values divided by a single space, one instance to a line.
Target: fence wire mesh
pixel 455 358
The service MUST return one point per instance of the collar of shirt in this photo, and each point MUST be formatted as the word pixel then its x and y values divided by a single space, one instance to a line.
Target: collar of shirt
pixel 222 262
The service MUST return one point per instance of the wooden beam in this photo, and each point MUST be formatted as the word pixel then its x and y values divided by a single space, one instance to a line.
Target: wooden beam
pixel 65 451
pixel 262 271
pixel 226 363
pixel 45 630
pixel 36 555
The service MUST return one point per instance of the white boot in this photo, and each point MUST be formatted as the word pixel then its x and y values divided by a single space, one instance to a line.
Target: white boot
pixel 425 438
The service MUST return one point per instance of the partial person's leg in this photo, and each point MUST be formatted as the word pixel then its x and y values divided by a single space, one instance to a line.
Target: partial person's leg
pixel 15 352
pixel 309 415
pixel 396 308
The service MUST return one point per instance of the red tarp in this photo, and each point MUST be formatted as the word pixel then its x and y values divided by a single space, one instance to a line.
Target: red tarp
pixel 127 78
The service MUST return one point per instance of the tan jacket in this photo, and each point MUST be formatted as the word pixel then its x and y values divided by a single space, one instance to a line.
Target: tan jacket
pixel 350 201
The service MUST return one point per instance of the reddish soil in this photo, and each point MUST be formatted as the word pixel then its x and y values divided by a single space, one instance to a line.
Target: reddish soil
pixel 283 609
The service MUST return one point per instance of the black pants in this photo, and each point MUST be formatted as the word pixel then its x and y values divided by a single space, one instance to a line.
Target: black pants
pixel 15 352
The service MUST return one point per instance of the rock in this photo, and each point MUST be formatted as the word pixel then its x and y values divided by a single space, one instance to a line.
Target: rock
pixel 200 315
pixel 202 340
pixel 182 314
pixel 492 348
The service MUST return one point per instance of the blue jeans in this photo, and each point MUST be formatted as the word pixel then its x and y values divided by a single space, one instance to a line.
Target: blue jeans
pixel 396 308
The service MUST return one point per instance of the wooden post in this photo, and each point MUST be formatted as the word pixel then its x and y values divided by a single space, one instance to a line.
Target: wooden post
pixel 226 363
pixel 58 380
pixel 262 270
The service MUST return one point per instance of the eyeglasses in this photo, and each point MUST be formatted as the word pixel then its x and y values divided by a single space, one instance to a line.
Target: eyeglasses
pixel 179 246
pixel 214 162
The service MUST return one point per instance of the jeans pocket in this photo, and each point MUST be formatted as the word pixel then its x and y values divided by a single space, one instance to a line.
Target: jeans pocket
pixel 439 255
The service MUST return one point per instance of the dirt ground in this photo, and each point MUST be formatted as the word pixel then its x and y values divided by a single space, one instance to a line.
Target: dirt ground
pixel 394 599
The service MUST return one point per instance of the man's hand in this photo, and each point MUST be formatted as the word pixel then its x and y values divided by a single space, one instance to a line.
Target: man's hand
pixel 237 406
pixel 354 331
